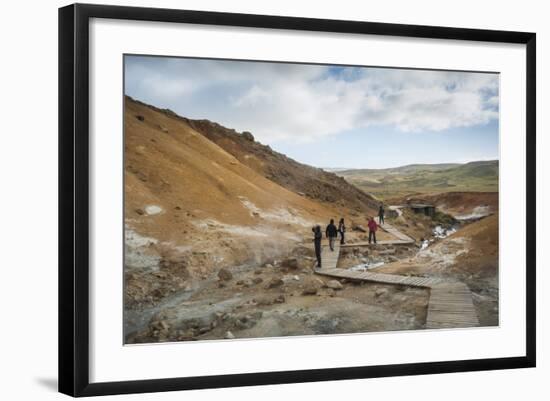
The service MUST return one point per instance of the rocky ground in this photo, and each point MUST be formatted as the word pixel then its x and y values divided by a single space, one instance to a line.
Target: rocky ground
pixel 169 299
pixel 281 298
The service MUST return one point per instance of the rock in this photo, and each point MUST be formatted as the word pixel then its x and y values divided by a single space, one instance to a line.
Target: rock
pixel 291 263
pixel 247 321
pixel 257 271
pixel 310 290
pixel 280 299
pixel 164 129
pixel 358 227
pixel 275 282
pixel 379 292
pixel 335 285
pixel 311 286
pixel 141 212
pixel 160 325
pixel 224 274
pixel 257 280
pixel 240 324
pixel 140 117
pixel 203 330
pixel 248 136
pixel 228 335
pixel 152 209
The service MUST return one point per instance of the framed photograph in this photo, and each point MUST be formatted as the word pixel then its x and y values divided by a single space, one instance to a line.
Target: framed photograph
pixel 251 199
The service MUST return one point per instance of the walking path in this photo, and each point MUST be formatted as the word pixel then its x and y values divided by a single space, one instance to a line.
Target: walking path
pixel 396 233
pixel 450 304
pixel 329 259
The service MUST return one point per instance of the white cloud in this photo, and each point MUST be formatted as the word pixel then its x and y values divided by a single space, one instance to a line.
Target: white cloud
pixel 282 102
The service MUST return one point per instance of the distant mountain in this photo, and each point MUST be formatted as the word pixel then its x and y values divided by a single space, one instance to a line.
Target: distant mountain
pixel 478 176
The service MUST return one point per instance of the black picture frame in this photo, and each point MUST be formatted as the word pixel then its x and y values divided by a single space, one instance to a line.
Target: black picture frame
pixel 74 198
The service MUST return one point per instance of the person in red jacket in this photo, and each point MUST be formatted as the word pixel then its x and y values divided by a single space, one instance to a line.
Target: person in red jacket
pixel 373 226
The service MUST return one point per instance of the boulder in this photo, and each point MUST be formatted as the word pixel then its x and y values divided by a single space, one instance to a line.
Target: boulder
pixel 310 289
pixel 228 335
pixel 140 117
pixel 224 274
pixel 275 282
pixel 335 285
pixel 291 263
pixel 248 136
pixel 379 292
pixel 311 286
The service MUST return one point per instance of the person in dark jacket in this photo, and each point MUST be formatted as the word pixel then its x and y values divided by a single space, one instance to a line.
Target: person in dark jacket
pixel 342 230
pixel 317 237
pixel 331 233
pixel 373 226
pixel 381 213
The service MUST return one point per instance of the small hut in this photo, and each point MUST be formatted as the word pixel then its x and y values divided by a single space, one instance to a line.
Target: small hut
pixel 424 208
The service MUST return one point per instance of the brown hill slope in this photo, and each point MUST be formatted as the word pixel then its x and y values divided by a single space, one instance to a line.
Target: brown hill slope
pixel 302 179
pixel 170 165
pixel 188 196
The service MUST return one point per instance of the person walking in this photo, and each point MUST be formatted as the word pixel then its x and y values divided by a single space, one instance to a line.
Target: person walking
pixel 381 213
pixel 342 230
pixel 317 237
pixel 373 226
pixel 331 233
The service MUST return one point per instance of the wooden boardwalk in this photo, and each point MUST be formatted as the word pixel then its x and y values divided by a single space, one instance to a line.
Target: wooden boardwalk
pixel 329 259
pixel 384 278
pixel 450 304
pixel 384 242
pixel 404 238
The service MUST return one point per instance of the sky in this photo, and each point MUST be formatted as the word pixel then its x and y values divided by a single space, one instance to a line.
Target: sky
pixel 332 116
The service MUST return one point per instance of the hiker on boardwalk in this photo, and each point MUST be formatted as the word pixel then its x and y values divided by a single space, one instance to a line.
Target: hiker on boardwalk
pixel 331 233
pixel 373 226
pixel 381 213
pixel 342 230
pixel 317 237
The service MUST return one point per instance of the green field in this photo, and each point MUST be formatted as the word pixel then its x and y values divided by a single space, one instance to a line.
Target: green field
pixel 481 176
